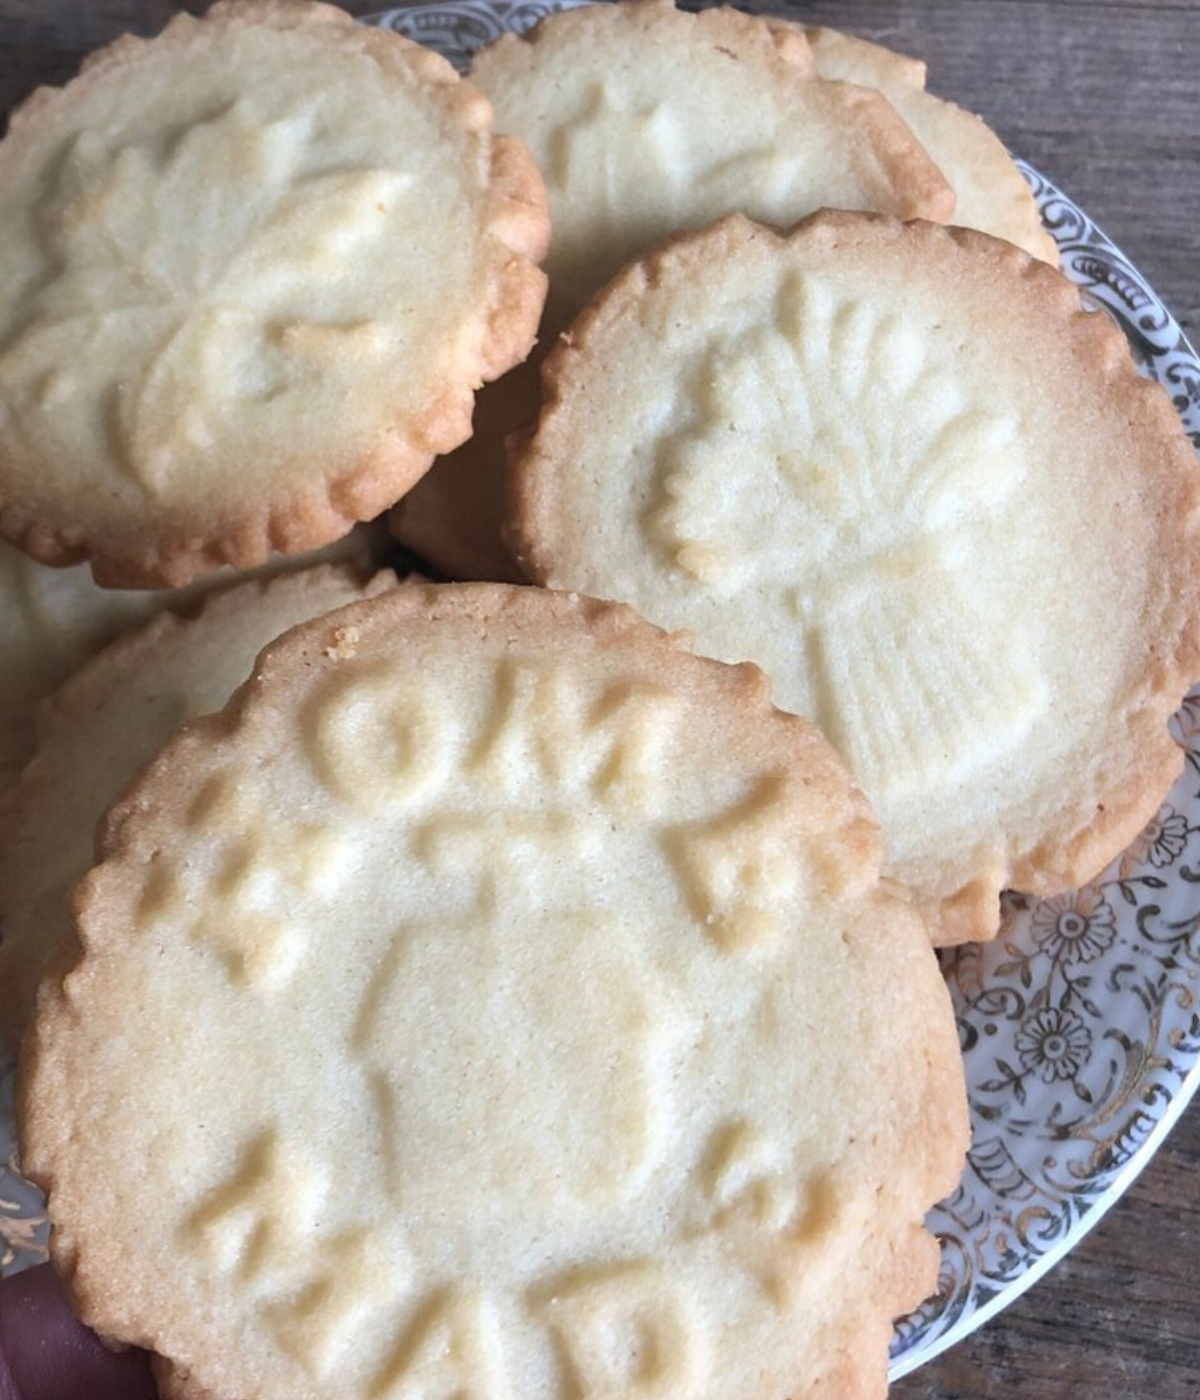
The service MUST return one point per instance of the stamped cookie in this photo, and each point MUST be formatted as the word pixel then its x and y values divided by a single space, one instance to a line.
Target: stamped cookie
pixel 251 274
pixel 990 192
pixel 98 731
pixel 906 473
pixel 452 517
pixel 835 55
pixel 53 620
pixel 537 1024
pixel 645 121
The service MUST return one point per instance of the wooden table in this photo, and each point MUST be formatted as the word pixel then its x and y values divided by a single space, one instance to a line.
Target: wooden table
pixel 1105 97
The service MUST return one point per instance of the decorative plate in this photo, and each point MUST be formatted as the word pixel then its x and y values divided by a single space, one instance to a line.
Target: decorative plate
pixel 1080 1024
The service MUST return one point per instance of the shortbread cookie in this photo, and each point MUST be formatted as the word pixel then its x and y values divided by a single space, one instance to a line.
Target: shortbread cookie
pixel 645 121
pixel 509 1005
pixel 251 273
pixel 990 192
pixel 452 517
pixel 53 620
pixel 845 57
pixel 98 731
pixel 901 469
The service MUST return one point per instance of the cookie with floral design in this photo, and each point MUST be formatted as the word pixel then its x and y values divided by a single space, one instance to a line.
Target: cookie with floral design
pixel 902 469
pixel 510 1004
pixel 251 274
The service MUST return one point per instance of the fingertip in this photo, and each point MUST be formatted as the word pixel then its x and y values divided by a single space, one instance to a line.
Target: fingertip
pixel 47 1354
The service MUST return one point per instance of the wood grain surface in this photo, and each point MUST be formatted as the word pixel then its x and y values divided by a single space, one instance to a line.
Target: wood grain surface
pixel 1104 96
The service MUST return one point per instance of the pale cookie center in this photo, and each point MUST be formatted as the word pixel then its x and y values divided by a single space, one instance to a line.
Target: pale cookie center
pixel 539 983
pixel 530 1036
pixel 199 271
pixel 601 164
pixel 543 1086
pixel 837 466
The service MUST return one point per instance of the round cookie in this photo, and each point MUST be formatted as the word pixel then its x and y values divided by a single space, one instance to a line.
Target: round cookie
pixel 645 121
pixel 53 620
pixel 98 731
pixel 506 1002
pixel 905 472
pixel 253 271
pixel 451 519
pixel 990 192
pixel 836 55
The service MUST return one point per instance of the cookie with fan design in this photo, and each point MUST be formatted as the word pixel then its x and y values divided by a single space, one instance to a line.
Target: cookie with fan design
pixel 646 121
pixel 101 727
pixel 902 469
pixel 251 273
pixel 538 1024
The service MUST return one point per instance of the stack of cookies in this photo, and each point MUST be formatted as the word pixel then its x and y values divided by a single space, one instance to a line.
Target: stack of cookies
pixel 486 989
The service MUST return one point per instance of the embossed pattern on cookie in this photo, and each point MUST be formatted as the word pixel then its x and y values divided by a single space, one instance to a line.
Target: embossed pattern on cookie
pixel 230 323
pixel 578 999
pixel 903 668
pixel 671 120
pixel 849 455
pixel 631 153
pixel 97 732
